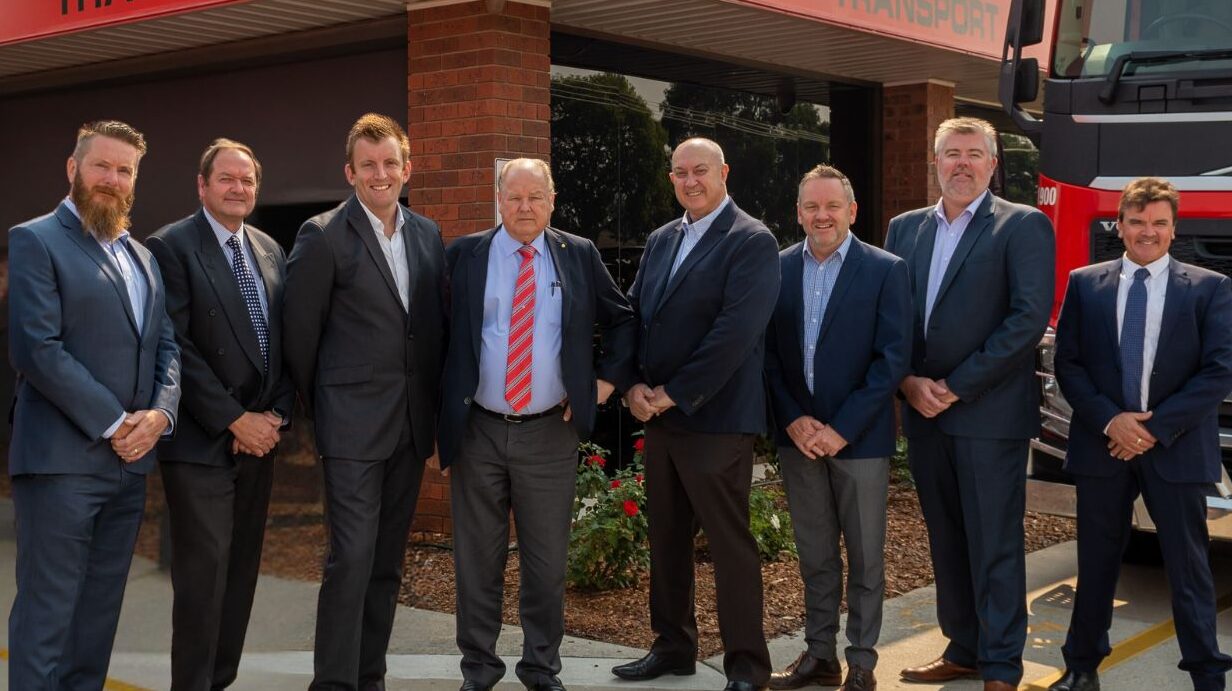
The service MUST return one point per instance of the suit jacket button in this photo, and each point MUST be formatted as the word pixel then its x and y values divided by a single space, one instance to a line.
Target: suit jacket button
pixel 213 312
pixel 222 351
pixel 467 400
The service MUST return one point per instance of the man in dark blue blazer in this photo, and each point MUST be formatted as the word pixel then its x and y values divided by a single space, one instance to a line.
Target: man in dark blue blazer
pixel 836 349
pixel 521 388
pixel 703 295
pixel 1144 356
pixel 97 385
pixel 982 279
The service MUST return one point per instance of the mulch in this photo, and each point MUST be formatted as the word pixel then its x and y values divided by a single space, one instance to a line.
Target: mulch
pixel 295 548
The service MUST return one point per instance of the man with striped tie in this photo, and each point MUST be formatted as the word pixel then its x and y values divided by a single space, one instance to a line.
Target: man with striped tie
pixel 521 388
pixel 1144 356
pixel 224 295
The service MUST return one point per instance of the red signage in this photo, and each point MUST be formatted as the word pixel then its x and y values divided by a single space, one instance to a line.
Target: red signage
pixel 25 20
pixel 968 26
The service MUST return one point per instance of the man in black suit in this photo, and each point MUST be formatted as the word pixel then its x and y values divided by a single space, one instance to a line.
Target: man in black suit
pixel 703 294
pixel 363 326
pixel 982 278
pixel 521 388
pixel 836 349
pixel 224 294
pixel 1144 356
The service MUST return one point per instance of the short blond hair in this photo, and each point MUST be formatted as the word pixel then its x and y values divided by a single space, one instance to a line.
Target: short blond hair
pixel 535 164
pixel 966 126
pixel 825 172
pixel 375 127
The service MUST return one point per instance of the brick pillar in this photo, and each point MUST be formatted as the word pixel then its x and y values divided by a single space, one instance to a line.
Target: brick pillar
pixel 479 89
pixel 910 116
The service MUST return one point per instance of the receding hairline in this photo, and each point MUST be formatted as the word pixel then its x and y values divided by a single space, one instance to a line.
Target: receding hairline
pixel 710 146
pixel 533 165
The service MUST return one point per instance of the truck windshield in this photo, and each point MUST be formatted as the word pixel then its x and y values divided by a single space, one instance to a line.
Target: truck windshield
pixel 1092 34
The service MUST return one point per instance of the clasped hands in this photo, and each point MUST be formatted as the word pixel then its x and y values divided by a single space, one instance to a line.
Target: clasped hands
pixel 256 434
pixel 645 402
pixel 815 439
pixel 138 433
pixel 1128 436
pixel 930 397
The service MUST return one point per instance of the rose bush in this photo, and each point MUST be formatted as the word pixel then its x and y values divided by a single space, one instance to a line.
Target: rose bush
pixel 609 545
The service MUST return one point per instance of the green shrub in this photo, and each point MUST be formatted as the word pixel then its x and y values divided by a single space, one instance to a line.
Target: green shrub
pixel 770 523
pixel 609 545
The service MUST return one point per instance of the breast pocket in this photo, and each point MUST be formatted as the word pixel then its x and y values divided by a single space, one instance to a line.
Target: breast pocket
pixel 552 312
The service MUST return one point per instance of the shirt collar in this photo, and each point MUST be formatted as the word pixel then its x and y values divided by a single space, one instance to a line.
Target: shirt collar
pixel 507 246
pixel 1157 267
pixel 220 231
pixel 377 225
pixel 841 251
pixel 68 204
pixel 702 224
pixel 940 208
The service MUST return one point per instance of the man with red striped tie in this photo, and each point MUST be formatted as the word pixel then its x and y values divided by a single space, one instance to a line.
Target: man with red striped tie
pixel 521 388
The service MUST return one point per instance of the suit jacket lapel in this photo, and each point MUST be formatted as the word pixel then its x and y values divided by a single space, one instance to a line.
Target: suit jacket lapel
pixel 142 260
pixel 90 246
pixel 980 222
pixel 1105 295
pixel 921 262
pixel 367 234
pixel 846 276
pixel 1178 294
pixel 410 239
pixel 660 270
pixel 793 288
pixel 722 223
pixel 217 267
pixel 476 281
pixel 558 251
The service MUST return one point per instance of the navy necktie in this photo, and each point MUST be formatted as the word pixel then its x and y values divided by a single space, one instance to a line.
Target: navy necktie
pixel 1133 337
pixel 248 288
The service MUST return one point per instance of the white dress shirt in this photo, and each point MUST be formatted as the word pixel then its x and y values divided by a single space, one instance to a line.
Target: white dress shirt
pixel 394 249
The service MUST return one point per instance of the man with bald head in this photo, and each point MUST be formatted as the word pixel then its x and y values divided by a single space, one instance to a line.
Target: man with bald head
pixel 521 388
pixel 703 295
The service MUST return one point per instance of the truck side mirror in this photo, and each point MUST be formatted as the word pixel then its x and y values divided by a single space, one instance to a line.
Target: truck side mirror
pixel 1026 82
pixel 1031 24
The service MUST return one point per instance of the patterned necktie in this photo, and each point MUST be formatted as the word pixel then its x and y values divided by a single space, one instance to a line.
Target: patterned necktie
pixel 521 333
pixel 1133 338
pixel 248 288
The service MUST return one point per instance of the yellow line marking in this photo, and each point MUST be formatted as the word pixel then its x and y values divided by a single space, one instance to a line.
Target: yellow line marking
pixel 1130 647
pixel 109 685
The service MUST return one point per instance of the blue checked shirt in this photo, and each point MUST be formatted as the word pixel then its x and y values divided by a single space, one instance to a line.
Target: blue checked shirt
pixel 818 284
pixel 693 233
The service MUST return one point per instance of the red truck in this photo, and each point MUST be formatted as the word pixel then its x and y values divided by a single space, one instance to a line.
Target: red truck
pixel 1131 88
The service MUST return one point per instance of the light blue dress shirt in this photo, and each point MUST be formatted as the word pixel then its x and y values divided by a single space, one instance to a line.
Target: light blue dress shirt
pixel 818 284
pixel 693 232
pixel 223 235
pixel 547 383
pixel 948 236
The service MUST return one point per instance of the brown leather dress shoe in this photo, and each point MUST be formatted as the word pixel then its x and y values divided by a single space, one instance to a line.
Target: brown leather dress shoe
pixel 859 679
pixel 995 685
pixel 807 670
pixel 938 670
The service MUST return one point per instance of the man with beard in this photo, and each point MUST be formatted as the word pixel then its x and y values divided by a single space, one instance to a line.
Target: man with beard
pixel 97 384
pixel 363 324
pixel 224 295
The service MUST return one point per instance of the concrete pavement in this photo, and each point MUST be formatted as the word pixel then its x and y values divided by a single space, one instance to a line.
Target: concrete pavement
pixel 422 654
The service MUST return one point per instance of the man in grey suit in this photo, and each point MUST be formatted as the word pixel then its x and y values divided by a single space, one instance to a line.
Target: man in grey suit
pixel 521 388
pixel 224 295
pixel 363 327
pixel 97 385
pixel 982 279
pixel 836 349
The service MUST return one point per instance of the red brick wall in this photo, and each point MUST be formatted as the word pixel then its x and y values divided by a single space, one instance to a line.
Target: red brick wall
pixel 478 89
pixel 910 116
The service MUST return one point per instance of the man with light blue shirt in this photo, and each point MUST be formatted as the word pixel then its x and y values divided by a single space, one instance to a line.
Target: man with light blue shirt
pixel 97 386
pixel 521 388
pixel 836 349
pixel 982 280
pixel 224 295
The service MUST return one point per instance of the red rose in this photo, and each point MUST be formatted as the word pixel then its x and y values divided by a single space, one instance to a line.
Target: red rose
pixel 639 478
pixel 596 460
pixel 630 507
pixel 615 484
pixel 640 444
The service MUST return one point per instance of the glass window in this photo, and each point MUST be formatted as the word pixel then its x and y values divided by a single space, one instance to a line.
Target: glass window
pixel 1092 34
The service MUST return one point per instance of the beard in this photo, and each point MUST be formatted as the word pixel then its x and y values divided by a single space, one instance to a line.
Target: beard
pixel 106 219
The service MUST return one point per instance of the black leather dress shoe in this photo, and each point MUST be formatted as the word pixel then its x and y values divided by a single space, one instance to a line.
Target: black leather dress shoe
pixel 742 686
pixel 653 666
pixel 473 686
pixel 552 684
pixel 1076 681
pixel 807 670
pixel 859 679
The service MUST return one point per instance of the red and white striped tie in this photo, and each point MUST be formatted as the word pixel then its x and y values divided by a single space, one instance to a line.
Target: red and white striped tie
pixel 521 334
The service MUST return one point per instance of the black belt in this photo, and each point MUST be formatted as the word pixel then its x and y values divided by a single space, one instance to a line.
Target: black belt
pixel 510 417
